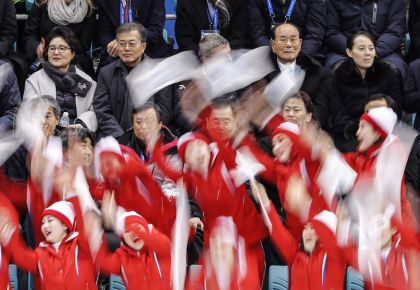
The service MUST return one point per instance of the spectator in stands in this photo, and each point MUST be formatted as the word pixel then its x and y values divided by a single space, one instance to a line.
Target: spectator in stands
pixel 210 46
pixel 286 43
pixel 149 13
pixel 194 19
pixel 147 125
pixel 111 103
pixel 9 95
pixel 353 81
pixel 60 78
pixel 309 16
pixel 411 99
pixel 384 20
pixel 414 28
pixel 8 26
pixel 77 15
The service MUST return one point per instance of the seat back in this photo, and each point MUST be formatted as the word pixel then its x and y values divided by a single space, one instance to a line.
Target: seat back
pixel 278 278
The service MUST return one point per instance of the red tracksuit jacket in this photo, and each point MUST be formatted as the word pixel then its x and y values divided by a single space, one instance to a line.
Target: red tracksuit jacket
pixel 147 269
pixel 319 271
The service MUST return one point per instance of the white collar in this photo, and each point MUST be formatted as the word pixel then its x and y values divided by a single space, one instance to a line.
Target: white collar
pixel 290 65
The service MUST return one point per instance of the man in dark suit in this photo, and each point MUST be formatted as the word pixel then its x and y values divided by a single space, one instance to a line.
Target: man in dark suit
pixel 112 103
pixel 8 26
pixel 150 13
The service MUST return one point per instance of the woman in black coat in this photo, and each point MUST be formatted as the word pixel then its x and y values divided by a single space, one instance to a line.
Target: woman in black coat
pixel 78 15
pixel 193 17
pixel 353 82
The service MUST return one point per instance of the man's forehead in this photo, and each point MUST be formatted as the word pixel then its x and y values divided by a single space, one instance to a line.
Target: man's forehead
pixel 287 30
pixel 129 36
pixel 145 113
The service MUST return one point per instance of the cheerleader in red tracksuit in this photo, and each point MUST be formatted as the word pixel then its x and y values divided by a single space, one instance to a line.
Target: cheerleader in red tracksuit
pixel 374 135
pixel 207 179
pixel 63 260
pixel 144 258
pixel 291 158
pixel 133 185
pixel 387 270
pixel 6 207
pixel 310 267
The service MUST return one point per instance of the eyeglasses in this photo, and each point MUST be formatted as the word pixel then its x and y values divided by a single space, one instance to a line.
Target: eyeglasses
pixel 131 44
pixel 61 49
pixel 284 40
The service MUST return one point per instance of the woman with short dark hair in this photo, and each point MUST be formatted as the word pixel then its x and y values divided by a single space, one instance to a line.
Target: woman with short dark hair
pixel 77 15
pixel 62 79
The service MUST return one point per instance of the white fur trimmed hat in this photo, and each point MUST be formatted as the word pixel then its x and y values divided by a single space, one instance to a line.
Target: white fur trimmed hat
pixel 382 119
pixel 63 211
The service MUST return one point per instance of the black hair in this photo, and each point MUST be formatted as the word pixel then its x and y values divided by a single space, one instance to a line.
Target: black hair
pixel 80 133
pixel 390 102
pixel 67 34
pixel 133 26
pixel 274 29
pixel 145 107
pixel 306 99
pixel 224 102
pixel 351 39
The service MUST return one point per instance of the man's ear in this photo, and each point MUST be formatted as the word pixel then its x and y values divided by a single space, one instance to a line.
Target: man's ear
pixel 349 53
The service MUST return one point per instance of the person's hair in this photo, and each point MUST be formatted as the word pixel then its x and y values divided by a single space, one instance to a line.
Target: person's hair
pixel 67 34
pixel 41 3
pixel 306 99
pixel 351 39
pixel 209 43
pixel 274 29
pixel 225 102
pixel 390 102
pixel 145 107
pixel 79 133
pixel 51 102
pixel 133 26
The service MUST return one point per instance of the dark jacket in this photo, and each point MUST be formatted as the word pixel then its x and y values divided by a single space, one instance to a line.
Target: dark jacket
pixel 110 94
pixel 411 99
pixel 40 25
pixel 9 95
pixel 308 15
pixel 348 94
pixel 346 17
pixel 150 13
pixel 315 84
pixel 414 28
pixel 8 26
pixel 192 18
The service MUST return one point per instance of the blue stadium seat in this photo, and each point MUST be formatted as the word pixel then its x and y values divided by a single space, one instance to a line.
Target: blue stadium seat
pixel 13 276
pixel 278 278
pixel 30 281
pixel 115 283
pixel 354 280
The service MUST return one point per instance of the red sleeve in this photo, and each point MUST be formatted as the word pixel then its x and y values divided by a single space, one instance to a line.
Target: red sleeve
pixel 82 240
pixel 169 171
pixel 107 261
pixel 271 168
pixel 406 212
pixel 22 255
pixel 158 242
pixel 272 124
pixel 281 237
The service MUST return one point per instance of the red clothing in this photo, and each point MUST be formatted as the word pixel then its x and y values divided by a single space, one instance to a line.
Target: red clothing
pixel 147 269
pixel 394 271
pixel 317 271
pixel 69 267
pixel 5 204
pixel 138 191
pixel 365 163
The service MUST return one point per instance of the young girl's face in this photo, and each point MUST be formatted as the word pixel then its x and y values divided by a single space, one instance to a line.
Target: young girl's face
pixel 53 229
pixel 132 240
